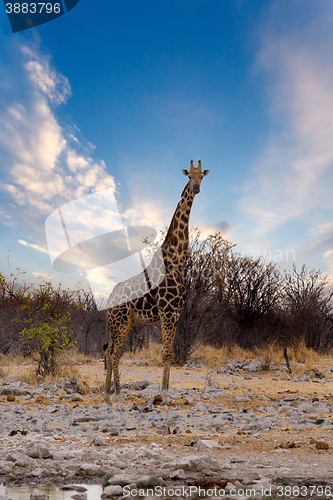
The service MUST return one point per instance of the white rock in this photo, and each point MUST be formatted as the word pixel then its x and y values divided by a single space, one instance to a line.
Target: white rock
pixel 37 450
pixel 37 495
pixel 121 479
pixel 178 474
pixel 99 441
pixel 198 463
pixel 206 444
pixel 111 491
pixel 230 486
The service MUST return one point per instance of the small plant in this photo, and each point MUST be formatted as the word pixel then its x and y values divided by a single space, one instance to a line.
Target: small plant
pixel 106 479
pixel 153 481
pixel 210 379
pixel 49 340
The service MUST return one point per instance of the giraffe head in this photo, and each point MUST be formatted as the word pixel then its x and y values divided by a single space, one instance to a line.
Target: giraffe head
pixel 195 176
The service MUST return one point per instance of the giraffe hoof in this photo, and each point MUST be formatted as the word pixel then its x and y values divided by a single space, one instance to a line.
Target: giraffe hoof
pixel 165 398
pixel 107 399
pixel 119 399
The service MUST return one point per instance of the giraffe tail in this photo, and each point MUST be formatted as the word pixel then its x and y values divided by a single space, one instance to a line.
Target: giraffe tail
pixel 106 345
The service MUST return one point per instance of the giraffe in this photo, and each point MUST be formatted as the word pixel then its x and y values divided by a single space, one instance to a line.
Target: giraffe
pixel 164 292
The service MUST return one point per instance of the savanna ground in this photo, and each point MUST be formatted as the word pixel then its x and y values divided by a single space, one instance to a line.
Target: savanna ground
pixel 203 372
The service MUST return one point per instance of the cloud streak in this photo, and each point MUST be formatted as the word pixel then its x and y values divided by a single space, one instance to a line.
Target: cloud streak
pixel 294 173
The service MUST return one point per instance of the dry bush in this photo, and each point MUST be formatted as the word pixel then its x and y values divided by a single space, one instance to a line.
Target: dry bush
pixel 272 353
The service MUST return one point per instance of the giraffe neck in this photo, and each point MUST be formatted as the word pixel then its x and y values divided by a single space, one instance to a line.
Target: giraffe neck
pixel 176 242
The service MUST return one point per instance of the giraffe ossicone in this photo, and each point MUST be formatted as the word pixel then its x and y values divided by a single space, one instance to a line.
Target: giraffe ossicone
pixel 157 293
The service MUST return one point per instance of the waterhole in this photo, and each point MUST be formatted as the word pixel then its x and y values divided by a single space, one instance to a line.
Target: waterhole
pixel 52 492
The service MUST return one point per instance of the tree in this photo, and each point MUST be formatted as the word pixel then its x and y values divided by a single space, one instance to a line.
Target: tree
pixel 199 313
pixel 248 291
pixel 307 305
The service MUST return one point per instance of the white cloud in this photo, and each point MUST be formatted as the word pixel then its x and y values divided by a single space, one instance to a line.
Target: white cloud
pixel 294 174
pixel 54 85
pixel 43 275
pixel 41 170
pixel 39 248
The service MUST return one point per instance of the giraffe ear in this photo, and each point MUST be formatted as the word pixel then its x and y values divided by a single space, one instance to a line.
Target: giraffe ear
pixel 205 172
pixel 185 172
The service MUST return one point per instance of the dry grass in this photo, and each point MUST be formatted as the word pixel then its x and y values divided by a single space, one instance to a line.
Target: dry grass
pixel 24 369
pixel 17 360
pixel 64 372
pixel 269 354
pixel 216 357
pixel 153 352
pixel 302 354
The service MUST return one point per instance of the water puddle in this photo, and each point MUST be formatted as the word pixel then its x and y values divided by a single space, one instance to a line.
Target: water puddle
pixel 52 492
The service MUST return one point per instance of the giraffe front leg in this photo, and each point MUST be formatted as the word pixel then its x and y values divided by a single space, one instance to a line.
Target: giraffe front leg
pixel 165 380
pixel 168 332
pixel 116 376
pixel 108 377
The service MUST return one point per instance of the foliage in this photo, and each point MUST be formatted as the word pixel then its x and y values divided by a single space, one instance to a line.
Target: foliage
pixel 25 305
pixel 49 340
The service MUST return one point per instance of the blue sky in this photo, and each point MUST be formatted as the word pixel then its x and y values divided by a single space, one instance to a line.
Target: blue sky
pixel 123 94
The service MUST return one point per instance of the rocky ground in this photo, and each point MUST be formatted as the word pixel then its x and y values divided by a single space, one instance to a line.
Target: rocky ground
pixel 237 429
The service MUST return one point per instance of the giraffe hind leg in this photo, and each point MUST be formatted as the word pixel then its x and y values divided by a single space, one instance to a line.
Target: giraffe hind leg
pixel 108 376
pixel 119 340
pixel 115 365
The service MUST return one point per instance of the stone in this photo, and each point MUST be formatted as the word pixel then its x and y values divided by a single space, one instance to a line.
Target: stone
pixel 255 366
pixel 99 441
pixel 230 486
pixel 321 445
pixel 14 391
pixel 37 495
pixel 91 469
pixel 148 406
pixel 199 463
pixel 206 444
pixel 178 474
pixel 37 450
pixel 147 482
pixel 79 496
pixel 140 386
pixel 111 491
pixel 120 479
